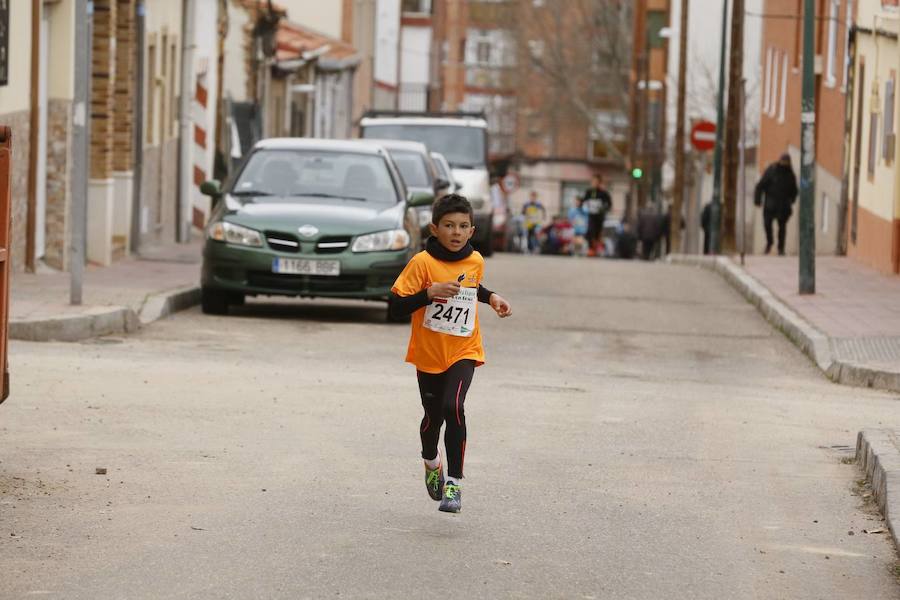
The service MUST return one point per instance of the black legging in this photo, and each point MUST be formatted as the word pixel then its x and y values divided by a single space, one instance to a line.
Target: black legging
pixel 443 398
pixel 768 217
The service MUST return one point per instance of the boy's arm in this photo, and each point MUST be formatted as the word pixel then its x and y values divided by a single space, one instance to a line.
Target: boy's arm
pixel 484 294
pixel 403 306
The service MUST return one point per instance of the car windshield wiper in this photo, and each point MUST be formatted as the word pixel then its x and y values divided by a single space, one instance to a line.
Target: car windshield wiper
pixel 324 195
pixel 251 193
pixel 464 166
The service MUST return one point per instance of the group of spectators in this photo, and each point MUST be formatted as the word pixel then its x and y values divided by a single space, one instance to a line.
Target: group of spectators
pixel 578 232
pixel 581 231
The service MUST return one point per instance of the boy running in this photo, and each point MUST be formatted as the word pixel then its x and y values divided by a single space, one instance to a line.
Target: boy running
pixel 441 288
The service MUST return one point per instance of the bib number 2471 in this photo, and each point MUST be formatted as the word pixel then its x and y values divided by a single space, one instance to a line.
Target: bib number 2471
pixel 453 316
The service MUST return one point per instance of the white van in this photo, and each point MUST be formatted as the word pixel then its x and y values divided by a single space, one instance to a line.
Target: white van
pixel 462 138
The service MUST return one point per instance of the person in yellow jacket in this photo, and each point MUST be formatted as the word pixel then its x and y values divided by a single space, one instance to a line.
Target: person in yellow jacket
pixel 441 289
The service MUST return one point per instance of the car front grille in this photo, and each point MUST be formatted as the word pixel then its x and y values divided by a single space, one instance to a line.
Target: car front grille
pixel 283 242
pixel 332 245
pixel 306 284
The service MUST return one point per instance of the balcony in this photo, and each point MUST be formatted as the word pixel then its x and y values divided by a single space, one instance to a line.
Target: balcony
pixel 492 78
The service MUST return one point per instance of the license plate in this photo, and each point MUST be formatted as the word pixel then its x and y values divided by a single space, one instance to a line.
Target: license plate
pixel 300 266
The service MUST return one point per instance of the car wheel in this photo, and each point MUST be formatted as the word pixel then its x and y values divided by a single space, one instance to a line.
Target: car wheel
pixel 236 299
pixel 213 302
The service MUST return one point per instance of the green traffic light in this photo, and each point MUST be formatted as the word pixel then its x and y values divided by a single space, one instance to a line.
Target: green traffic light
pixel 637 172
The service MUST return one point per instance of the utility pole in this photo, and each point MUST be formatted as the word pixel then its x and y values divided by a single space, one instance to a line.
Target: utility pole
pixel 81 147
pixel 678 200
pixel 715 212
pixel 733 123
pixel 185 125
pixel 808 156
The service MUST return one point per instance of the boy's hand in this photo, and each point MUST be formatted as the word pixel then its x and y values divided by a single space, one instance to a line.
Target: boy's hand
pixel 500 306
pixel 443 290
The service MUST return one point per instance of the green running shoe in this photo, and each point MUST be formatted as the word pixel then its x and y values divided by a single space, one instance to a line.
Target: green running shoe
pixel 434 481
pixel 452 500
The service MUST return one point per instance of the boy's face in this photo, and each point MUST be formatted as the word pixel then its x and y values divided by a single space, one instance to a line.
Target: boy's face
pixel 453 231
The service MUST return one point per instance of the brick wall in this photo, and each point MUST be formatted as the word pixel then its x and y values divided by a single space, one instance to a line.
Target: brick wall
pixel 102 93
pixel 123 106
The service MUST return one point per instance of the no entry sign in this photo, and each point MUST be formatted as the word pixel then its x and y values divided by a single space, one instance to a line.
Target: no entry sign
pixel 703 135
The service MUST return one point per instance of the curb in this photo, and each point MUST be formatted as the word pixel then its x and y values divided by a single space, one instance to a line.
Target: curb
pixel 878 455
pixel 814 343
pixel 97 321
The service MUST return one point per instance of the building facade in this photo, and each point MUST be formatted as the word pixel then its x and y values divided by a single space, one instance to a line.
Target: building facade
pixel 781 61
pixel 873 211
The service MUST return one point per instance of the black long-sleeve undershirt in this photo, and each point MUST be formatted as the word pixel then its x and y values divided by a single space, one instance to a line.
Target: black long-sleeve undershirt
pixel 404 306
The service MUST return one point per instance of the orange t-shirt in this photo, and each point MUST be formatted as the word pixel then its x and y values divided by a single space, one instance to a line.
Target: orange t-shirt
pixel 429 350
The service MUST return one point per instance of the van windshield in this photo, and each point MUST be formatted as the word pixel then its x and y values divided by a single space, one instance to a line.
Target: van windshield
pixel 464 147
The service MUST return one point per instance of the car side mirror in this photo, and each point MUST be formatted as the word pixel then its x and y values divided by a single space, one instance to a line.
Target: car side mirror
pixel 440 184
pixel 458 186
pixel 211 188
pixel 419 199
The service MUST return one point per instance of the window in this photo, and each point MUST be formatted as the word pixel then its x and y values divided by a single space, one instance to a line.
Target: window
pixel 173 71
pixel 656 20
pixel 483 52
pixel 162 82
pixel 784 81
pixel 825 205
pixel 767 83
pixel 151 96
pixel 848 28
pixel 416 6
pixel 831 68
pixel 890 137
pixel 773 89
pixel 873 143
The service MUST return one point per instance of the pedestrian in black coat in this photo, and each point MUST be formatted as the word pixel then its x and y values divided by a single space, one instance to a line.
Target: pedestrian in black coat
pixel 776 192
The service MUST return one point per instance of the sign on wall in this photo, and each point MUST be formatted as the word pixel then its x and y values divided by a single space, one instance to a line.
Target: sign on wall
pixel 4 42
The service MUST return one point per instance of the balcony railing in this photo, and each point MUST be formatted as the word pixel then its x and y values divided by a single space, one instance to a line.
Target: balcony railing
pixel 494 78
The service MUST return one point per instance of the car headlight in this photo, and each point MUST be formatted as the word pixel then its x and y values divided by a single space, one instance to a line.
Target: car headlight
pixel 222 231
pixel 396 239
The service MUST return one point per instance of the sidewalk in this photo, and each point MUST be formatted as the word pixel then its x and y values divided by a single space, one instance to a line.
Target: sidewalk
pixel 850 327
pixel 115 299
pixel 855 306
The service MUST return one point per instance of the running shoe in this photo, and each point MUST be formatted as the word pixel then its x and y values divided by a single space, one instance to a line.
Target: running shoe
pixel 452 500
pixel 434 481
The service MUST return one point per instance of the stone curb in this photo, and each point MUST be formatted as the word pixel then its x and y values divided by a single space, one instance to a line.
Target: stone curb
pixel 96 321
pixel 878 455
pixel 809 339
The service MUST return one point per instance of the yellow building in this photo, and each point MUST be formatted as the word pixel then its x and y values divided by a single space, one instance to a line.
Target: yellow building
pixel 874 179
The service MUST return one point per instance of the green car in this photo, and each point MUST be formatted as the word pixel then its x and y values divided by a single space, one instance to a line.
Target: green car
pixel 309 218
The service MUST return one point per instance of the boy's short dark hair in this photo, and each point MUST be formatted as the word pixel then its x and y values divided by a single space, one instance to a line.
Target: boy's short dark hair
pixel 451 203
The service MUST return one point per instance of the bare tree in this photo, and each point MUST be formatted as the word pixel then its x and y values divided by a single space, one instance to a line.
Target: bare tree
pixel 579 53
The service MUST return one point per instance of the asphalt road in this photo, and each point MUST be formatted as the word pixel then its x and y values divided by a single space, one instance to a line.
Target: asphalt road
pixel 638 432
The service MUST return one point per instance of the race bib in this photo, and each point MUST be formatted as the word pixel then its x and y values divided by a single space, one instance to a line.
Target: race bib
pixel 453 316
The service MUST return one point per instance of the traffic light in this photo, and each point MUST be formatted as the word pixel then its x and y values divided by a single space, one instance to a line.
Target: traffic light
pixel 637 173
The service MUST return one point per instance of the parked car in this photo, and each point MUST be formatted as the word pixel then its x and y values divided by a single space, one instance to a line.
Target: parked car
pixel 309 218
pixel 420 174
pixel 462 137
pixel 444 172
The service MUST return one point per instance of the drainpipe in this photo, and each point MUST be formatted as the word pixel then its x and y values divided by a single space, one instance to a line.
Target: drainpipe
pixel 138 150
pixel 185 139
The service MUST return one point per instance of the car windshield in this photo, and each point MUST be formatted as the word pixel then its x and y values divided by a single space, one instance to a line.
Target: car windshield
pixel 412 168
pixel 463 147
pixel 442 169
pixel 283 175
